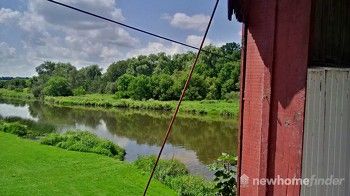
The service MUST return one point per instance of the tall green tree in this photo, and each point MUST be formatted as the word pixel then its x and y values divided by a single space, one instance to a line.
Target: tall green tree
pixel 58 86
pixel 140 88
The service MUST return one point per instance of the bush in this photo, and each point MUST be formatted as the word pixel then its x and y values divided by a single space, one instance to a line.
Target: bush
pixel 140 88
pixel 192 185
pixel 37 91
pixel 14 128
pixel 175 175
pixel 79 91
pixel 225 175
pixel 84 142
pixel 24 128
pixel 58 86
pixel 34 129
pixel 166 168
pixel 231 96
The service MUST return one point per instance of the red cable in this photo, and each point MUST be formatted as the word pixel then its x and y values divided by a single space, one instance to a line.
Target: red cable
pixel 181 98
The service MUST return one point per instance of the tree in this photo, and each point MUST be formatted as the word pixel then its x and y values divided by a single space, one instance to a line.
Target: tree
pixel 140 88
pixel 115 70
pixel 163 76
pixel 198 88
pixel 162 87
pixel 90 79
pixel 58 86
pixel 122 85
pixel 45 68
pixel 231 50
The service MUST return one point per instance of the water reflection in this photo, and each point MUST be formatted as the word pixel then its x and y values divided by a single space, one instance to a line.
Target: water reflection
pixel 195 142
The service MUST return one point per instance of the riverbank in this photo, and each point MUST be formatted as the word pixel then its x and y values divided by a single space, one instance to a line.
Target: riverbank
pixel 205 107
pixel 29 168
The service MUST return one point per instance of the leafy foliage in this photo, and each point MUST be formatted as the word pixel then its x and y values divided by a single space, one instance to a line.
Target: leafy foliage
pixel 225 175
pixel 155 76
pixel 24 128
pixel 192 185
pixel 165 170
pixel 14 128
pixel 58 86
pixel 175 175
pixel 84 142
pixel 79 91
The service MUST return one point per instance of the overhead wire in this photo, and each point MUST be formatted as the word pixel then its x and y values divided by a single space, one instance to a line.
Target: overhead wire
pixel 171 123
pixel 135 28
pixel 200 49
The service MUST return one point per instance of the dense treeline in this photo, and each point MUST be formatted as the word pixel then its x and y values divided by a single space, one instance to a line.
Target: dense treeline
pixel 156 76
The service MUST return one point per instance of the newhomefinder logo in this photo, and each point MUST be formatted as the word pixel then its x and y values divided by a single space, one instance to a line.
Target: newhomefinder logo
pixel 313 181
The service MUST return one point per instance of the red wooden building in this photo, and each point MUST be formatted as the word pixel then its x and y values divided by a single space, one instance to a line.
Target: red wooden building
pixel 295 89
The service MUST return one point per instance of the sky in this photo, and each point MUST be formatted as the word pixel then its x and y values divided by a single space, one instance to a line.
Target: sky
pixel 35 31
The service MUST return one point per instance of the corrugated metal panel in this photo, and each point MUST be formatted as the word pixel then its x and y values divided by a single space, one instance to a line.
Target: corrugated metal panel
pixel 327 125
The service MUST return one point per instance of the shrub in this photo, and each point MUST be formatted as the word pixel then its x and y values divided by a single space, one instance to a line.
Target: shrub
pixel 58 86
pixel 34 129
pixel 37 91
pixel 84 142
pixel 166 168
pixel 79 91
pixel 192 185
pixel 225 175
pixel 14 128
pixel 231 96
pixel 140 88
pixel 175 175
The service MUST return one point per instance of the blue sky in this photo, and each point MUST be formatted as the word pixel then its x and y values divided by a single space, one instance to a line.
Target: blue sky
pixel 35 31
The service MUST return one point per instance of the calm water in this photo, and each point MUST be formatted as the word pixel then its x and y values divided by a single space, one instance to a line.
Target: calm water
pixel 195 142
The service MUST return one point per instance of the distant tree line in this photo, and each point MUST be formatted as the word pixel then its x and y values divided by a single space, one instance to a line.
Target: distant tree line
pixel 156 76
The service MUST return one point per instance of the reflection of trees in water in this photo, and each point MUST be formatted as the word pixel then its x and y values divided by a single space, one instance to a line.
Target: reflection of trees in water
pixel 65 115
pixel 207 139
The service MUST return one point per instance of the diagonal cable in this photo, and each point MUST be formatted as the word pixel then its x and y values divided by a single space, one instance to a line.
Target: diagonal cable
pixel 135 28
pixel 181 98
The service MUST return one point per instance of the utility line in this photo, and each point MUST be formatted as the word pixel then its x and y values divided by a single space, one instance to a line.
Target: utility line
pixel 181 98
pixel 135 28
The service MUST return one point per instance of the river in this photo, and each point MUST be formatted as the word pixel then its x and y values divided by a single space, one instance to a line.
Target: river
pixel 196 142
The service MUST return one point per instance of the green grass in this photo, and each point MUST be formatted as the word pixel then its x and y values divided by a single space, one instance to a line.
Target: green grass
pixel 29 168
pixel 205 107
pixel 5 93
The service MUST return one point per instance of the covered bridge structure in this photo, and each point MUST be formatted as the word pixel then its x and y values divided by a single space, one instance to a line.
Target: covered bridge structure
pixel 295 95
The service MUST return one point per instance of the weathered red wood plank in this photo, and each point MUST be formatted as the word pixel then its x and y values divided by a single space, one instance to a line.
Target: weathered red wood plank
pixel 274 97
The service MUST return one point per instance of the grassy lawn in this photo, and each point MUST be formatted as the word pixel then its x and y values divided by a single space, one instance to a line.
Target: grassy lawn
pixel 29 168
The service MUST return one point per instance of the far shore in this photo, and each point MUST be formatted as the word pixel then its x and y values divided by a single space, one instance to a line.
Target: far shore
pixel 217 108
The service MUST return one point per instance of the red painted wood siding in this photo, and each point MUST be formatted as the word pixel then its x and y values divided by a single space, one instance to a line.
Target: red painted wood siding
pixel 274 93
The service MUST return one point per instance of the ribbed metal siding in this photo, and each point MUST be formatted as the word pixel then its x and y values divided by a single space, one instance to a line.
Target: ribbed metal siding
pixel 326 148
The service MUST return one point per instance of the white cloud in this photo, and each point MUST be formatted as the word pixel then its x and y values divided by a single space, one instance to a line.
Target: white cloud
pixel 11 64
pixel 195 40
pixel 6 52
pixel 55 33
pixel 196 22
pixel 67 18
pixel 157 47
pixel 8 15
